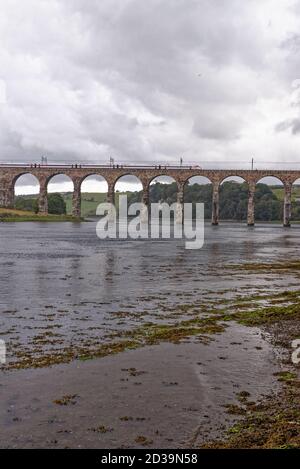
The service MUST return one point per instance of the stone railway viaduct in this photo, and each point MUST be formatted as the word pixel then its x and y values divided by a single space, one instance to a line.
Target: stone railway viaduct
pixel 9 174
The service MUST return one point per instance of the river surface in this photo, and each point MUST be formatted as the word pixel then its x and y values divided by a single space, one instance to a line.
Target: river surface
pixel 62 288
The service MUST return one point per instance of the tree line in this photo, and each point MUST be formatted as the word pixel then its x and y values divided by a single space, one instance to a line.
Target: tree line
pixel 56 204
pixel 233 200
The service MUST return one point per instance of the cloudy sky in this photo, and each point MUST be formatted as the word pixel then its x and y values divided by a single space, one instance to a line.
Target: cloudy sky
pixel 213 81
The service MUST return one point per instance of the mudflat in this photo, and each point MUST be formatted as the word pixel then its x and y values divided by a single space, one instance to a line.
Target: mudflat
pixel 144 344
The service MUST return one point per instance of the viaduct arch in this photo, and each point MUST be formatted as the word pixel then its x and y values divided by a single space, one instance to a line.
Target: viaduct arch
pixel 9 173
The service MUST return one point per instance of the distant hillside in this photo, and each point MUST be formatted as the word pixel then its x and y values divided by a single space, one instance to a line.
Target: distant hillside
pixel 89 202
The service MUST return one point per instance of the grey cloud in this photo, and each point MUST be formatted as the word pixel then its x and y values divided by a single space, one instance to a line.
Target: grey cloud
pixel 139 81
pixel 218 125
pixel 293 125
pixel 292 43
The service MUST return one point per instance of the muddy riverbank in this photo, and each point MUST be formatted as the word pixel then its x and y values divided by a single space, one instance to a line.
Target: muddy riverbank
pixel 274 420
pixel 142 343
pixel 168 395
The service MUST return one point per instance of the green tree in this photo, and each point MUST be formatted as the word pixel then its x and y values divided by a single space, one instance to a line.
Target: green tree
pixel 27 203
pixel 56 204
pixel 233 200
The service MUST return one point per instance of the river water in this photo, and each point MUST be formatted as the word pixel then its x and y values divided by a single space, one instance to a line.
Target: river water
pixel 61 288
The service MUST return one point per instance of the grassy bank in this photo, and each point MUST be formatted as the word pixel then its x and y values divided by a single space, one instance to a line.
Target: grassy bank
pixel 13 215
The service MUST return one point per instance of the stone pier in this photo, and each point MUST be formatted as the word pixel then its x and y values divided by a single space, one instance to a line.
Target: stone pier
pixel 180 201
pixel 43 197
pixel 251 207
pixel 110 199
pixel 76 199
pixel 145 215
pixel 287 208
pixel 181 174
pixel 215 203
pixel 6 197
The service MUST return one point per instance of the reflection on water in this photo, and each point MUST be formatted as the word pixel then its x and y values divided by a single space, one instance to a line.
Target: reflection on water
pixel 62 278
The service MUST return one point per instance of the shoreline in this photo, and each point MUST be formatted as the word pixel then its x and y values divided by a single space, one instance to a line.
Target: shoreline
pixel 254 402
pixel 259 416
pixel 155 397
pixel 274 421
pixel 261 310
pixel 12 216
pixel 200 368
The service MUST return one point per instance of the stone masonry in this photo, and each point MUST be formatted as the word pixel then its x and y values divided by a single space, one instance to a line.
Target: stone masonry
pixel 10 174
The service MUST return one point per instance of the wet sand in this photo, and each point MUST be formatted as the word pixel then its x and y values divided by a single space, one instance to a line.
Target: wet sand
pixel 165 396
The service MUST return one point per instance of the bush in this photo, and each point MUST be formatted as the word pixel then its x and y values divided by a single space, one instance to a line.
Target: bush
pixel 56 204
pixel 27 203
